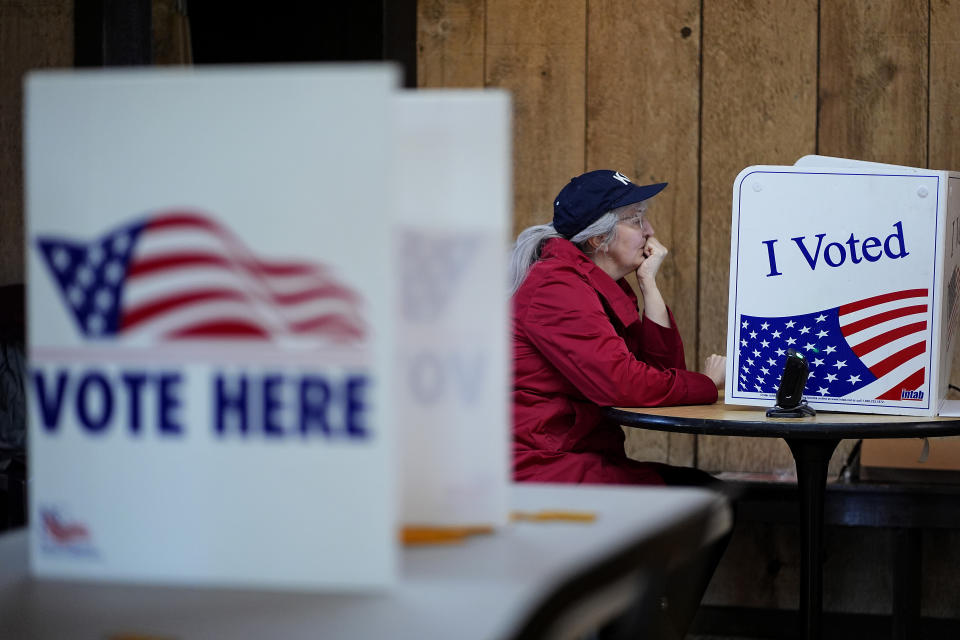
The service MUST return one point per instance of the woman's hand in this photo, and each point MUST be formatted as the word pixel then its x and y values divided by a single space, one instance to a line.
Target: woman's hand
pixel 653 305
pixel 654 252
pixel 716 369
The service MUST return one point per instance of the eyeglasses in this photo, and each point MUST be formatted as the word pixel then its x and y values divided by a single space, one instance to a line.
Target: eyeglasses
pixel 635 220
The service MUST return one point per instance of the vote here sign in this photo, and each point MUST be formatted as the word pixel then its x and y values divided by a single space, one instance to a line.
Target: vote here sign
pixel 853 264
pixel 210 326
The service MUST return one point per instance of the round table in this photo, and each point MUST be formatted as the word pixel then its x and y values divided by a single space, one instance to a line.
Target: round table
pixel 812 441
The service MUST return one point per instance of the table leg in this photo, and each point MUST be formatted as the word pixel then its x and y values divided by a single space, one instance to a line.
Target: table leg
pixel 812 457
pixel 906 582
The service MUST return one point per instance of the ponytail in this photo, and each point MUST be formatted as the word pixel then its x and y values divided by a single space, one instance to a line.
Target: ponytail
pixel 530 242
pixel 527 251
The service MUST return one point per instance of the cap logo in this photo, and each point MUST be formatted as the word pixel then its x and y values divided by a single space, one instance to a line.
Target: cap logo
pixel 622 178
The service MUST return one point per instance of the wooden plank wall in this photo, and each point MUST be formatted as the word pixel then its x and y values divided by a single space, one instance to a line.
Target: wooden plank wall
pixel 759 107
pixel 691 92
pixel 37 34
pixel 628 130
pixel 33 33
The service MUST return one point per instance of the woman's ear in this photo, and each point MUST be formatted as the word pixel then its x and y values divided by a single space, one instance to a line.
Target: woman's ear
pixel 595 242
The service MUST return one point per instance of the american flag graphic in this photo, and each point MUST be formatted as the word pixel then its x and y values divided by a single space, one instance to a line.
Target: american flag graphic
pixel 953 319
pixel 875 347
pixel 432 265
pixel 181 275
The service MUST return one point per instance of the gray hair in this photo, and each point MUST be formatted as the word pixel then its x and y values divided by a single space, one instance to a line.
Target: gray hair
pixel 530 242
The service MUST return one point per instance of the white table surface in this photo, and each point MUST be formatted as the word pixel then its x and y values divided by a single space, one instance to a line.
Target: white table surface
pixel 484 588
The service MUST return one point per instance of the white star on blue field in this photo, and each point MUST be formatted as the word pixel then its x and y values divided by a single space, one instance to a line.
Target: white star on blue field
pixel 835 371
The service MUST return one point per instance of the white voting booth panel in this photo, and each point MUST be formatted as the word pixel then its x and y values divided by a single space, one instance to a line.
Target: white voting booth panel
pixel 853 264
pixel 210 326
pixel 452 195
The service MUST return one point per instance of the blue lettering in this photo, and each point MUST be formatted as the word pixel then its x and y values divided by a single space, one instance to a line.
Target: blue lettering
pixel 134 383
pixel 234 405
pixel 88 418
pixel 835 254
pixel 356 406
pixel 469 375
pixel 852 243
pixel 168 403
pixel 271 405
pixel 871 243
pixel 429 375
pixel 314 396
pixel 50 407
pixel 899 238
pixel 811 260
pixel 98 401
pixel 276 406
pixel 426 378
pixel 836 262
pixel 771 256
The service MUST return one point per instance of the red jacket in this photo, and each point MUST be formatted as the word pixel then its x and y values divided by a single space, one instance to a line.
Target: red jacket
pixel 579 344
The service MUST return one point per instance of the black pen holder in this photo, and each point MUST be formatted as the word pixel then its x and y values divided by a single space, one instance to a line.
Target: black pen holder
pixel 802 410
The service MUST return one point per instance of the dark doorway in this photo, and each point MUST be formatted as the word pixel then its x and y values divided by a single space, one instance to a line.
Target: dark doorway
pixel 305 31
pixel 118 32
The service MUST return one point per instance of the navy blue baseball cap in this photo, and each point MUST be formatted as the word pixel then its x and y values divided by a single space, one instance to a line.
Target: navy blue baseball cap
pixel 589 196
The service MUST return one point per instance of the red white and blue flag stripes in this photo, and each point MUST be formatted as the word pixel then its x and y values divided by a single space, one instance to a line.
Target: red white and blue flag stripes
pixel 876 347
pixel 181 275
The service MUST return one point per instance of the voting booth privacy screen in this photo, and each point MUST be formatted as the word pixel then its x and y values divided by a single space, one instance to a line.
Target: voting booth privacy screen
pixel 854 265
pixel 452 377
pixel 267 322
pixel 209 328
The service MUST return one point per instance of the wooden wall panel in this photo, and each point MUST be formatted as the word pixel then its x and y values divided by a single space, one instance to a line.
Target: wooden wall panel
pixel 873 85
pixel 33 34
pixel 657 63
pixel 873 80
pixel 171 33
pixel 759 107
pixel 944 134
pixel 450 43
pixel 537 50
pixel 612 83
pixel 652 446
pixel 628 128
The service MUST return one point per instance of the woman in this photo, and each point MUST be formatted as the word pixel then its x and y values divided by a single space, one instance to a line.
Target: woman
pixel 579 341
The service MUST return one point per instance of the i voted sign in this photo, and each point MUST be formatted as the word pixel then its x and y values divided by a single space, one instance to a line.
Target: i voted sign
pixel 853 264
pixel 210 328
pixel 835 253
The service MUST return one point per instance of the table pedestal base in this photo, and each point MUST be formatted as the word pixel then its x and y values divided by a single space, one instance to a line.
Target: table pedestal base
pixel 812 442
pixel 812 457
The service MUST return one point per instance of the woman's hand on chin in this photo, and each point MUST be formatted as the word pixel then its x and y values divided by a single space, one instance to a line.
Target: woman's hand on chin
pixel 653 255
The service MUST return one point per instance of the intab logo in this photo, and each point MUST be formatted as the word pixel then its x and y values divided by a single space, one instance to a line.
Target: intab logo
pixel 181 275
pixel 906 394
pixel 60 533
